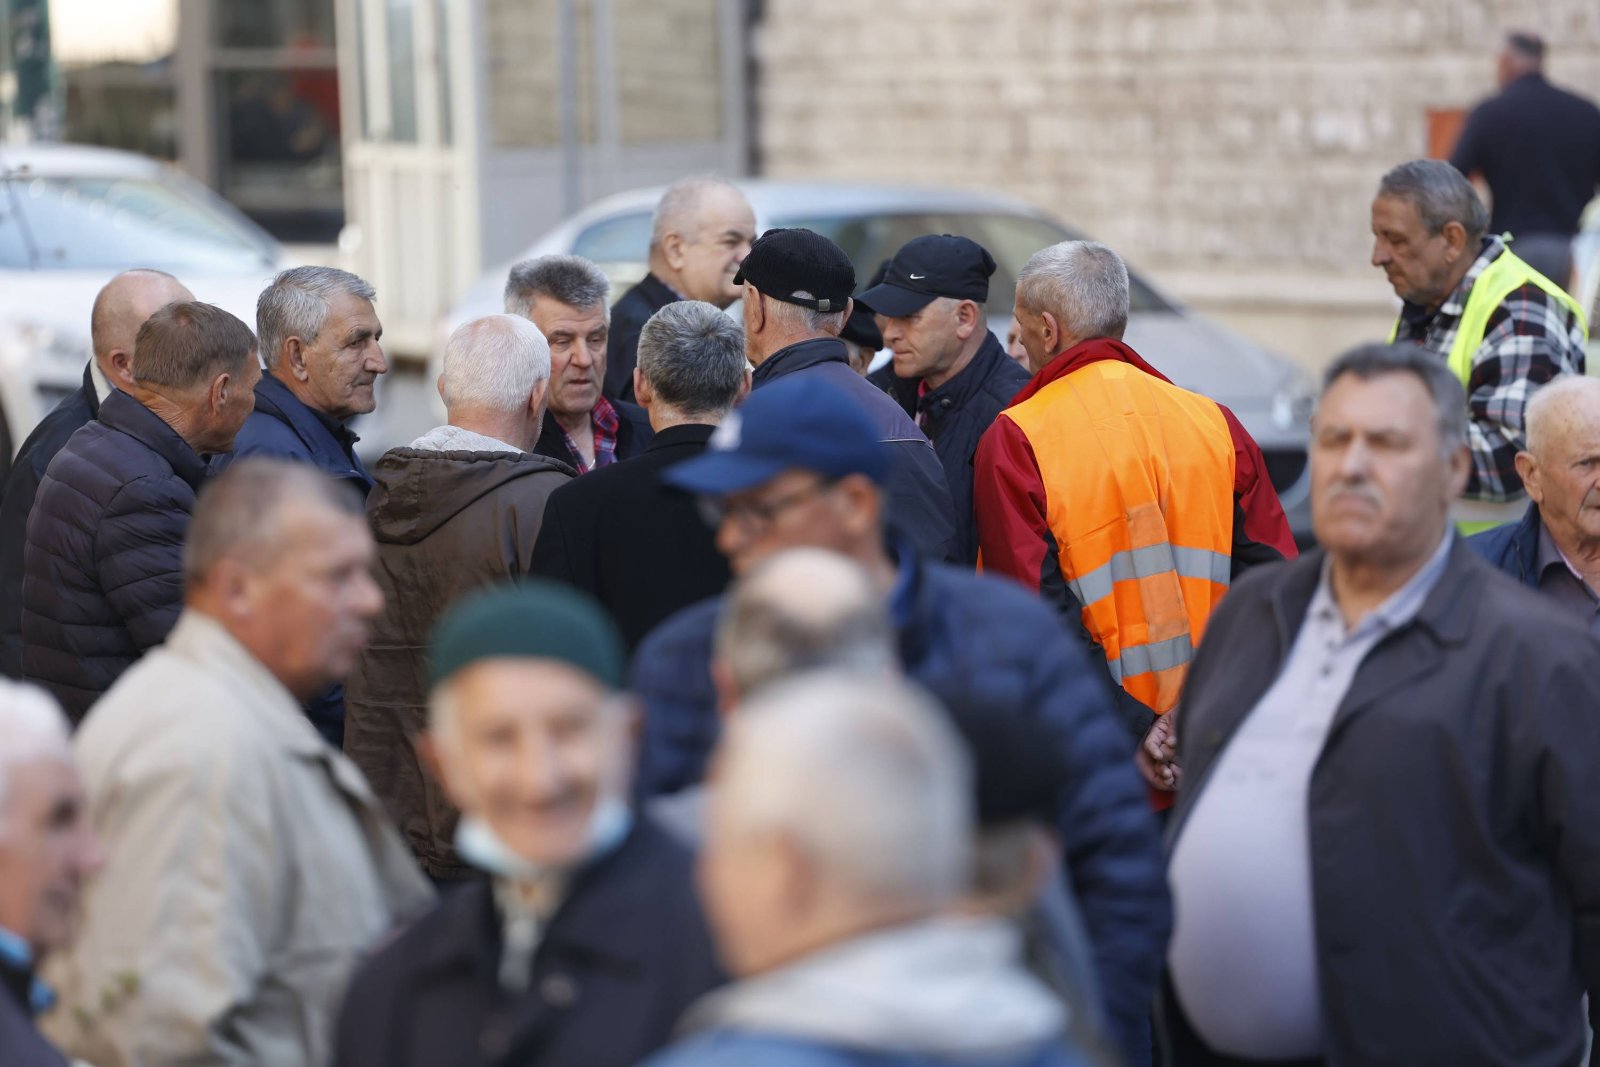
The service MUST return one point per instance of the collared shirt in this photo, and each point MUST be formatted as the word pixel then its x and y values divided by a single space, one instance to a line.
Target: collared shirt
pixel 1529 339
pixel 346 437
pixel 102 384
pixel 1244 953
pixel 17 955
pixel 1560 580
pixel 606 422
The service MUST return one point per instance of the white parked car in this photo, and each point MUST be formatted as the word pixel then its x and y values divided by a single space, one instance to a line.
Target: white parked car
pixel 70 218
pixel 1271 396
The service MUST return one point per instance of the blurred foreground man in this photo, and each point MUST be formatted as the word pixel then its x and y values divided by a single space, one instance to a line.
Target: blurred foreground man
pixel 458 509
pixel 248 864
pixel 1387 846
pixel 119 310
pixel 586 942
pixel 832 905
pixel 46 853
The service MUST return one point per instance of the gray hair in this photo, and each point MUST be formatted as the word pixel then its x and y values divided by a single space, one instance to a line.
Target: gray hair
pixel 1082 283
pixel 1369 361
pixel 1441 195
pixel 1565 392
pixel 692 355
pixel 678 209
pixel 865 775
pixel 798 318
pixel 569 280
pixel 239 514
pixel 34 728
pixel 296 305
pixel 493 363
pixel 804 609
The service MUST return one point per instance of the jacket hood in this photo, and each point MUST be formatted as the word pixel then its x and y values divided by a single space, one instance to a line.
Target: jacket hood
pixel 418 490
pixel 944 987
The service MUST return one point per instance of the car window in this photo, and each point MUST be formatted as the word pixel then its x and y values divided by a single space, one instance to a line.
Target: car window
pixel 67 223
pixel 618 246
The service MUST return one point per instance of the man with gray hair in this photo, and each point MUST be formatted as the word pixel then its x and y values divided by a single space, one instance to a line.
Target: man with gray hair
pixel 832 906
pixel 565 296
pixel 701 232
pixel 1555 548
pixel 1385 848
pixel 635 544
pixel 47 851
pixel 459 508
pixel 1501 327
pixel 1126 501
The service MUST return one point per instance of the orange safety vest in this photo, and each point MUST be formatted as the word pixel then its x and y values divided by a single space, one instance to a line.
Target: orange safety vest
pixel 1138 478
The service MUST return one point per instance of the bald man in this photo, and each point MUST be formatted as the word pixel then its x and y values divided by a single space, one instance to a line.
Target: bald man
pixel 1555 548
pixel 119 310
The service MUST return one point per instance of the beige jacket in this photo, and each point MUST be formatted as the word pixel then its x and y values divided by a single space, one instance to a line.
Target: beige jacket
pixel 248 868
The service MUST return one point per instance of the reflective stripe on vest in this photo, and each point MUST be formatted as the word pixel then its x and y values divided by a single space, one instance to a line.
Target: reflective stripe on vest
pixel 1138 480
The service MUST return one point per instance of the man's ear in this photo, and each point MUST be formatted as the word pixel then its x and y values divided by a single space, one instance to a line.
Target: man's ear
pixel 744 386
pixel 643 395
pixel 672 250
pixel 428 755
pixel 1455 235
pixel 755 309
pixel 1051 329
pixel 1528 471
pixel 438 385
pixel 121 372
pixel 727 689
pixel 294 357
pixel 221 386
pixel 537 398
pixel 969 319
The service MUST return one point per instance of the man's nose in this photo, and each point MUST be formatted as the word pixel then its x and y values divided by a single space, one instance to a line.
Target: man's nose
pixel 1380 253
pixel 582 354
pixel 377 361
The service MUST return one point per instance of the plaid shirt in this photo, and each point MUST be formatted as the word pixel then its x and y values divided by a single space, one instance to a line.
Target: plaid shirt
pixel 605 420
pixel 1530 339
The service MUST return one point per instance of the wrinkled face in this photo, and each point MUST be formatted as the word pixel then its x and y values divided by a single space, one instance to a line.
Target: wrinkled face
pixel 531 746
pixel 715 246
pixel 924 342
pixel 1014 347
pixel 312 606
pixel 1420 266
pixel 1035 336
pixel 47 852
pixel 344 360
pixel 1381 488
pixel 797 509
pixel 1564 477
pixel 577 353
pixel 746 881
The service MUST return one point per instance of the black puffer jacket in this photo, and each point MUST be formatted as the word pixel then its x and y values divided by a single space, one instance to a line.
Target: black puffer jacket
pixel 103 567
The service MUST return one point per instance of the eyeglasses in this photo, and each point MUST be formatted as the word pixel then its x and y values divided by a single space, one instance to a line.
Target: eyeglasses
pixel 756 515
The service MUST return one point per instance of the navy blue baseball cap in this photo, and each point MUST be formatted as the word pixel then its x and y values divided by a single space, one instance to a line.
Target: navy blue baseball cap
pixel 929 267
pixel 795 422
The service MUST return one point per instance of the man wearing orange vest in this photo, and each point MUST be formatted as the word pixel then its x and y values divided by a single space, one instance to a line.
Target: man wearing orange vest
pixel 1128 501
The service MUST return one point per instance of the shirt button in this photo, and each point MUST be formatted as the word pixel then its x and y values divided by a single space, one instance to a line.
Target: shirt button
pixel 558 990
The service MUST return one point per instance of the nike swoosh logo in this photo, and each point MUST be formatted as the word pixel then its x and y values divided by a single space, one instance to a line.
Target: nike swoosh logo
pixel 916 277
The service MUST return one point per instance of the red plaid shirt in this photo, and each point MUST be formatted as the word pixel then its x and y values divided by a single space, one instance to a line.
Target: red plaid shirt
pixel 606 421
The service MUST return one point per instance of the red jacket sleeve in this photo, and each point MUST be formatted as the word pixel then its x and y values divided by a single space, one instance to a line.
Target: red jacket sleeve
pixel 1260 530
pixel 1008 502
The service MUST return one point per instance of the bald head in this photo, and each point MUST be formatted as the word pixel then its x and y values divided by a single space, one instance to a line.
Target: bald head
pixel 701 231
pixel 121 307
pixel 1561 466
pixel 1567 405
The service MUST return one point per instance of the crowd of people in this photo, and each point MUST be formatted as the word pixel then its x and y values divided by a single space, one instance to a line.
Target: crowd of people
pixel 691 697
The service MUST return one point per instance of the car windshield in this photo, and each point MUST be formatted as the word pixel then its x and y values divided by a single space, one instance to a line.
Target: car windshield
pixel 50 222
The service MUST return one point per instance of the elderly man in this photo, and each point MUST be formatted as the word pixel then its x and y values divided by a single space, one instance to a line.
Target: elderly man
pixel 46 853
pixel 640 547
pixel 797 298
pixel 701 232
pixel 832 906
pixel 1385 848
pixel 1502 328
pixel 801 465
pixel 460 508
pixel 586 942
pixel 1537 147
pixel 1137 546
pixel 119 310
pixel 248 865
pixel 931 302
pixel 1555 548
pixel 102 568
pixel 565 296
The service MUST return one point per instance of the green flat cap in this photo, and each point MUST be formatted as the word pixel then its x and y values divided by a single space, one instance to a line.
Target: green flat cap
pixel 534 620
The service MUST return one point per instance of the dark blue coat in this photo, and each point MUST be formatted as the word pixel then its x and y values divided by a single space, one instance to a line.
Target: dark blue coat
pixel 283 427
pixel 619 961
pixel 915 494
pixel 1512 547
pixel 22 485
pixel 103 571
pixel 21 1044
pixel 964 636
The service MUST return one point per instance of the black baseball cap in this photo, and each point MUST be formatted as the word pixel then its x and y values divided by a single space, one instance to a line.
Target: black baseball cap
pixel 930 267
pixel 785 262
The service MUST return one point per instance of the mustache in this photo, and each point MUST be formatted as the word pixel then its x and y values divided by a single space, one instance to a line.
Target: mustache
pixel 1358 491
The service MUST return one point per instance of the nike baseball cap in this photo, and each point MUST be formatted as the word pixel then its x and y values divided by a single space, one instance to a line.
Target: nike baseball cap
pixel 929 267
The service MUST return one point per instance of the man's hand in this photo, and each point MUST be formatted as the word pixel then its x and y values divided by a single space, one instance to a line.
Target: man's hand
pixel 1157 757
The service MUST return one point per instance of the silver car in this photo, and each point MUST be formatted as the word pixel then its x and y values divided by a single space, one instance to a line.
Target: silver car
pixel 1271 396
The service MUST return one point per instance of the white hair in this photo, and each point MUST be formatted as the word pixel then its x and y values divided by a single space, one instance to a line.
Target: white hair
pixel 297 303
pixel 678 210
pixel 799 318
pixel 867 777
pixel 34 728
pixel 1082 283
pixel 1562 394
pixel 493 363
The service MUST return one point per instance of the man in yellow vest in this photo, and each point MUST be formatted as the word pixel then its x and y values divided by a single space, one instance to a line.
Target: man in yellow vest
pixel 1503 328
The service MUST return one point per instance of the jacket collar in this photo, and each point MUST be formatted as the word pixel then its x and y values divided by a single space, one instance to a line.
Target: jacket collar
pixel 657 292
pixel 1525 545
pixel 799 356
pixel 689 433
pixel 1081 355
pixel 958 391
pixel 316 432
pixel 123 413
pixel 91 388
